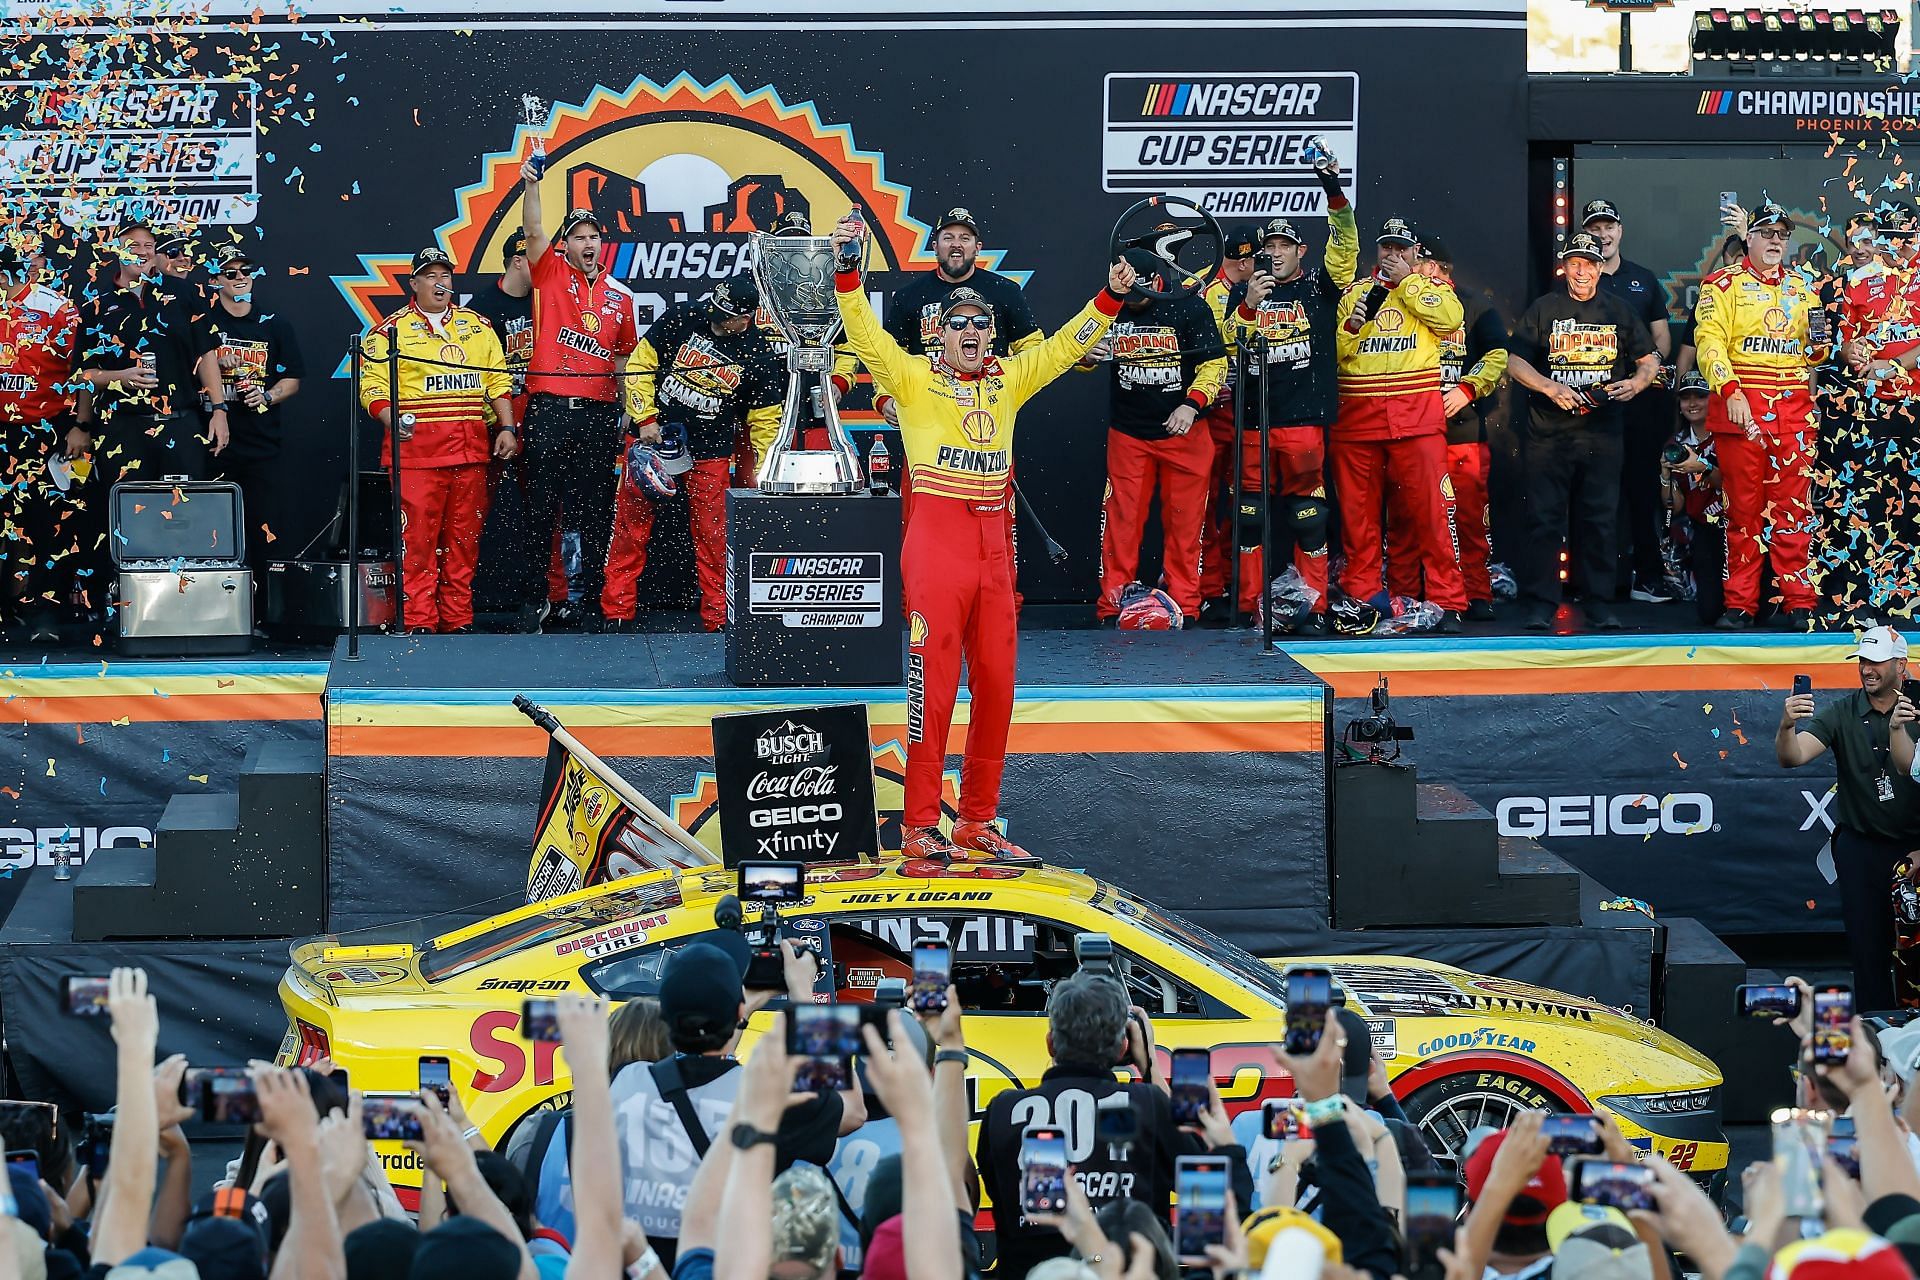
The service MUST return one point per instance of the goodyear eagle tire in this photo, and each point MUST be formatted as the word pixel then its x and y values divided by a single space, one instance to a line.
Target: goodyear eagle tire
pixel 1450 1108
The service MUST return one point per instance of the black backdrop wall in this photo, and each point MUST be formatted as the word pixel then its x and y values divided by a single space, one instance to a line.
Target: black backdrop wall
pixel 690 132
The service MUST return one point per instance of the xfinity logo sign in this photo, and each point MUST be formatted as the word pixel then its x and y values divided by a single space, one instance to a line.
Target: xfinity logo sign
pixel 1683 813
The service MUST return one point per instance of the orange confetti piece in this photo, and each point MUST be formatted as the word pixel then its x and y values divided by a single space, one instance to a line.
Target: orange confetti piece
pixel 300 271
pixel 1677 760
pixel 11 792
pixel 269 533
pixel 79 735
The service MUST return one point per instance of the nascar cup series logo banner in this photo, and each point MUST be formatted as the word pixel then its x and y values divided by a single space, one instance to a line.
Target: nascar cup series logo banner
pixel 795 785
pixel 680 176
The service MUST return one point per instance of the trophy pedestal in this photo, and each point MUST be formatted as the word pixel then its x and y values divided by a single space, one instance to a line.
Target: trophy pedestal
pixel 813 589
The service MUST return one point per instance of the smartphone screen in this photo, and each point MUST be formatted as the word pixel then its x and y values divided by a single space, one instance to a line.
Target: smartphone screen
pixel 1043 1171
pixel 1282 1119
pixel 84 997
pixel 932 974
pixel 1619 1186
pixel 222 1095
pixel 539 1019
pixel 436 1074
pixel 1798 1139
pixel 772 881
pixel 1192 1073
pixel 1766 1000
pixel 390 1117
pixel 1433 1206
pixel 1309 995
pixel 827 1035
pixel 1843 1146
pixel 1575 1135
pixel 1832 1012
pixel 1200 1216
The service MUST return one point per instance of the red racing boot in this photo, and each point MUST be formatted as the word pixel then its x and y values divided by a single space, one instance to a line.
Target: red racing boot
pixel 929 844
pixel 984 838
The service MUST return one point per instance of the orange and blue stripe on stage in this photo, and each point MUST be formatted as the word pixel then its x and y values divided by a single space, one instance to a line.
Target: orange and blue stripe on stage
pixel 1517 666
pixel 108 692
pixel 678 722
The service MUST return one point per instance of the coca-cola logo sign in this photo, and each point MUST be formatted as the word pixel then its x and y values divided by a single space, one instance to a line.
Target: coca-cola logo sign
pixel 795 786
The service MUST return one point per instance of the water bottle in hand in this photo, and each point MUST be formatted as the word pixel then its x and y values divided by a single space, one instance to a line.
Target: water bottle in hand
pixel 849 256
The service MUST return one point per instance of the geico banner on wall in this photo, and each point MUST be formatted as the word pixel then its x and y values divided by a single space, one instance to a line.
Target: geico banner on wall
pixel 1670 797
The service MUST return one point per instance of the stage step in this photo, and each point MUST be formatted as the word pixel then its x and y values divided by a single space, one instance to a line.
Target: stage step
pixel 1753 1054
pixel 238 864
pixel 1408 853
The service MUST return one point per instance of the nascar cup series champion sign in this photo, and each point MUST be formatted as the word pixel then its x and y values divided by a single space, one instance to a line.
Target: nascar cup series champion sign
pixel 795 785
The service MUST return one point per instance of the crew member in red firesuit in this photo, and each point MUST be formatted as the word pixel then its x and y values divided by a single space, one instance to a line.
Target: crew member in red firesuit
pixel 956 415
pixel 1293 307
pixel 1473 360
pixel 1390 442
pixel 704 367
pixel 1168 364
pixel 38 553
pixel 450 368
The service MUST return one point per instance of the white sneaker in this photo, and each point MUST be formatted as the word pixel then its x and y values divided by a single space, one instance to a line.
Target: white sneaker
pixel 1648 595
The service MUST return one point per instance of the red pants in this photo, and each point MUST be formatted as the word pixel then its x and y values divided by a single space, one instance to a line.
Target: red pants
pixel 1177 468
pixel 1468 466
pixel 1766 484
pixel 706 490
pixel 1408 477
pixel 1218 529
pixel 1296 469
pixel 956 565
pixel 441 512
pixel 1013 526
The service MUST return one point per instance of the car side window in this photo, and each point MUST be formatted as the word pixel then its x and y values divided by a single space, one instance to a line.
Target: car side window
pixel 628 975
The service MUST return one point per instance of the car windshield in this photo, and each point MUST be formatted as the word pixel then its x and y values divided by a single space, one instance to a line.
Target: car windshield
pixel 1209 948
pixel 438 963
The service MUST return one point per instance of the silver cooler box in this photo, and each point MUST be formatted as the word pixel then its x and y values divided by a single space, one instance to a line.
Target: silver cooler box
pixel 184 587
pixel 315 594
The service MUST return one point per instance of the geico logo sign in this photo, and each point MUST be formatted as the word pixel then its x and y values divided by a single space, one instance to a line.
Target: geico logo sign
pixel 36 846
pixel 787 815
pixel 1683 813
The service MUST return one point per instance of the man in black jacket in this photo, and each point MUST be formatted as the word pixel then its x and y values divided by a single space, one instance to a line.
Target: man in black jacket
pixel 1090 1029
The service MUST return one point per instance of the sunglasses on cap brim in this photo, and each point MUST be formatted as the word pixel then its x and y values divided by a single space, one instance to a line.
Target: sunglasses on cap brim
pixel 960 324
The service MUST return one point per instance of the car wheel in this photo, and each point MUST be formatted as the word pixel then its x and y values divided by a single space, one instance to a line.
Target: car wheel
pixel 1447 1110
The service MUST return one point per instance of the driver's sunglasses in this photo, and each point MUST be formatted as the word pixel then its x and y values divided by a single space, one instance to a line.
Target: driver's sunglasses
pixel 238 273
pixel 959 323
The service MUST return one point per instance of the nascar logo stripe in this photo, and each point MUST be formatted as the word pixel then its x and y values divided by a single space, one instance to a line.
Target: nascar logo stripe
pixel 1715 102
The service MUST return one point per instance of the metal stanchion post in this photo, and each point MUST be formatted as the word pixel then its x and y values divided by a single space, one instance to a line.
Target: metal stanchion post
pixel 393 439
pixel 1233 509
pixel 1266 515
pixel 353 498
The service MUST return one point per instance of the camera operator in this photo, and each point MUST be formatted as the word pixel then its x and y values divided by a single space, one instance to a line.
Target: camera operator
pixel 1690 481
pixel 1871 733
pixel 668 1113
pixel 1090 1031
pixel 1581 354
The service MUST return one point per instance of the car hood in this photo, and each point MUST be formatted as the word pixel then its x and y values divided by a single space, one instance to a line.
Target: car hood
pixel 1403 987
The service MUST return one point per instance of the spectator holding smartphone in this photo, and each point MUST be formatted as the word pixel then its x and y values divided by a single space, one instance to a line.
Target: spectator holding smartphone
pixel 1871 733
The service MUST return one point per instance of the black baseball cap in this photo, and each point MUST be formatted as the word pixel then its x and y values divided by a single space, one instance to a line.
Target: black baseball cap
pixel 1582 245
pixel 1768 214
pixel 431 256
pixel 1434 249
pixel 965 298
pixel 1397 231
pixel 1692 383
pixel 958 217
pixel 1356 1059
pixel 1280 228
pixel 175 246
pixel 1594 210
pixel 794 222
pixel 574 218
pixel 515 246
pixel 733 298
pixel 1242 242
pixel 229 256
pixel 700 992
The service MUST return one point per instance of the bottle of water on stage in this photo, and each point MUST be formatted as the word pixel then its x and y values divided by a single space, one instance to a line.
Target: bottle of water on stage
pixel 404 427
pixel 879 468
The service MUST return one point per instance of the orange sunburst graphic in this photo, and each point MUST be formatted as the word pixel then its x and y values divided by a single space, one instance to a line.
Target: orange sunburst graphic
pixel 597 152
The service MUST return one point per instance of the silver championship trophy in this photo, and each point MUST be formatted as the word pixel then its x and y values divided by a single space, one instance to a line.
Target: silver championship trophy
pixel 795 276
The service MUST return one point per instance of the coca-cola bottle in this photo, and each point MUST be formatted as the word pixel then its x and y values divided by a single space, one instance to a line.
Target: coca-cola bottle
pixel 879 467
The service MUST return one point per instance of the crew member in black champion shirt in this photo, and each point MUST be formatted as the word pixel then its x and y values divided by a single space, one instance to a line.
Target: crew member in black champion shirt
pixel 253 354
pixel 505 578
pixel 702 365
pixel 1580 353
pixel 1168 363
pixel 1648 417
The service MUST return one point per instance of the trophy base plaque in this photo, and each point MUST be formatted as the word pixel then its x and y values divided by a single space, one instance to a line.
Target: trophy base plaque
pixel 814 471
pixel 813 590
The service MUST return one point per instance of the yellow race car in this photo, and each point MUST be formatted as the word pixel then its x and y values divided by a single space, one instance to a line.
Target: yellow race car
pixel 1462 1050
